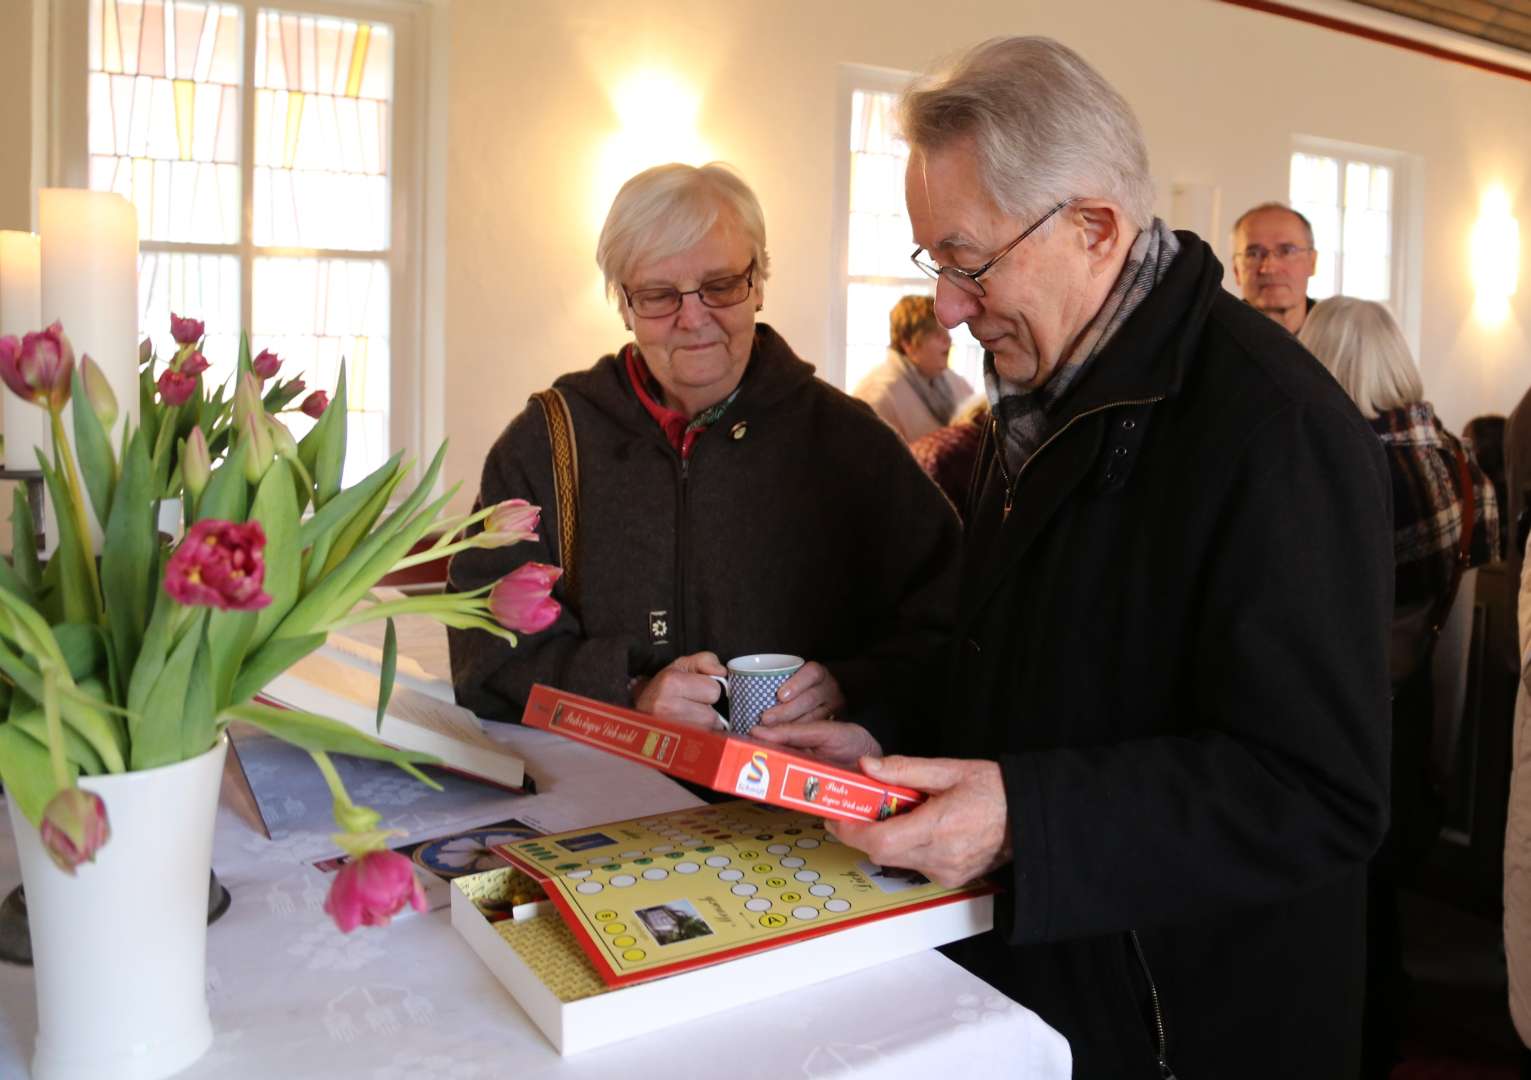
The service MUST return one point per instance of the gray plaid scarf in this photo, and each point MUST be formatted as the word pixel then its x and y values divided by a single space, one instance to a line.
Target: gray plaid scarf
pixel 1024 416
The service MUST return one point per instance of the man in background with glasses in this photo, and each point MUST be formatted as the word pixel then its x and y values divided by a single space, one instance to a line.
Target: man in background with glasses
pixel 1273 258
pixel 1162 724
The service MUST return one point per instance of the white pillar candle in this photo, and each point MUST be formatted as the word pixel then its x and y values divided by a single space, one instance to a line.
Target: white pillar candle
pixel 26 426
pixel 90 283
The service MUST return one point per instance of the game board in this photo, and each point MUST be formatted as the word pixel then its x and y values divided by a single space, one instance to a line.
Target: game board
pixel 667 893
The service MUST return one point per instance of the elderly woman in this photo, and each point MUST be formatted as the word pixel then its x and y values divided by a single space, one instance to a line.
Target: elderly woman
pixel 729 502
pixel 1433 480
pixel 913 390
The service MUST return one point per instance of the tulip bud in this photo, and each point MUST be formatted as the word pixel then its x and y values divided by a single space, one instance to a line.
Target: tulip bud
pixel 511 522
pixel 186 331
pixel 258 447
pixel 145 352
pixel 103 401
pixel 39 370
pixel 372 889
pixel 247 399
pixel 315 404
pixel 522 600
pixel 266 364
pixel 281 439
pixel 176 388
pixel 74 827
pixel 196 462
pixel 192 363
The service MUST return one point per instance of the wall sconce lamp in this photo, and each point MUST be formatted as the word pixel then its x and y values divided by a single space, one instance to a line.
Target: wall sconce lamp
pixel 1495 257
pixel 657 115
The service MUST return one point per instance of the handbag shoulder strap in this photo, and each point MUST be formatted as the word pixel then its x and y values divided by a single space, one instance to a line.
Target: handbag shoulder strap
pixel 565 482
pixel 1464 549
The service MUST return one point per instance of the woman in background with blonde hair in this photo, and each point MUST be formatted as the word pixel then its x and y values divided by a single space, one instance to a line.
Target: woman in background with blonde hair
pixel 913 390
pixel 1435 481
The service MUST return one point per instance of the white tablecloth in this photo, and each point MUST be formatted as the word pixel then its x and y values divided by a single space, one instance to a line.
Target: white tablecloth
pixel 293 997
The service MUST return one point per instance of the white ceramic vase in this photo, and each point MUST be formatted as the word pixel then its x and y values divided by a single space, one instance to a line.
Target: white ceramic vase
pixel 120 949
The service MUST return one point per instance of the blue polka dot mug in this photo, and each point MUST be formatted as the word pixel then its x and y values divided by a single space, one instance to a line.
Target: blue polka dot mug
pixel 751 687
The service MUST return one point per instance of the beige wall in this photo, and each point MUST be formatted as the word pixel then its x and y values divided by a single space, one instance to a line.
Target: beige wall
pixel 15 114
pixel 1220 91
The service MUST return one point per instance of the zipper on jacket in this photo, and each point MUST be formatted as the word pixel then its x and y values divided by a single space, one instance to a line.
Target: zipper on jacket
pixel 1011 483
pixel 682 647
pixel 1162 1045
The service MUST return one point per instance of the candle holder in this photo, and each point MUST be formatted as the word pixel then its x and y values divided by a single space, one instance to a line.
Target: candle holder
pixel 33 479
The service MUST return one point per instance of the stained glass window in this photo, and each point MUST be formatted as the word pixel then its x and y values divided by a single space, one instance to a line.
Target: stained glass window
pixel 322 91
pixel 1349 203
pixel 879 243
pixel 293 240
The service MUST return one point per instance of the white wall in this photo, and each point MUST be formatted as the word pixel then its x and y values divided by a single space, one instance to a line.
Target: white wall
pixel 1220 91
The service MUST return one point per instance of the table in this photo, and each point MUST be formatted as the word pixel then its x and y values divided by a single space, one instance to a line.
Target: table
pixel 293 997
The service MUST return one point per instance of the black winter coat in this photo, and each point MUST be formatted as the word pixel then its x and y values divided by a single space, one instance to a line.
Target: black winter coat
pixel 799 524
pixel 1175 646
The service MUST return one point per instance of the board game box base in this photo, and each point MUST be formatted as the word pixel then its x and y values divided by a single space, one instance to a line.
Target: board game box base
pixel 672 917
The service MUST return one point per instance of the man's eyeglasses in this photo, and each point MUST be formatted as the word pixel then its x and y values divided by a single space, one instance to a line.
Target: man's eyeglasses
pixel 720 292
pixel 1255 254
pixel 967 280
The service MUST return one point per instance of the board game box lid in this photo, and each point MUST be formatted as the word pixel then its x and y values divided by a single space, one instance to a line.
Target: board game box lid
pixel 732 764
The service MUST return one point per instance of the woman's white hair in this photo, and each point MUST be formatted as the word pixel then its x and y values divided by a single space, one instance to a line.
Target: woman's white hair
pixel 1361 345
pixel 1046 125
pixel 665 210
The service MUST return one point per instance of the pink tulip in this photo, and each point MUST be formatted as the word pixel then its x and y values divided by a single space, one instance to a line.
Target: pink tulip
pixel 74 827
pixel 39 369
pixel 510 522
pixel 193 363
pixel 219 564
pixel 186 331
pixel 315 404
pixel 176 387
pixel 266 364
pixel 522 600
pixel 371 890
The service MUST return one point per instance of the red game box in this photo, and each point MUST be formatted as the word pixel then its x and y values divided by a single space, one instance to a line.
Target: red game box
pixel 733 764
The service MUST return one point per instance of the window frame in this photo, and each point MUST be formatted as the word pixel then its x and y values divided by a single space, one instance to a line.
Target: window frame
pixel 416 221
pixel 852 77
pixel 1405 220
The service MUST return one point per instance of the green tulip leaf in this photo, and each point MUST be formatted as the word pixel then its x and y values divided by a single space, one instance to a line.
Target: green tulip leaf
pixel 26 772
pixel 269 661
pixel 78 602
pixel 98 466
pixel 385 677
pixel 320 734
pixel 227 495
pixel 129 554
pixel 24 542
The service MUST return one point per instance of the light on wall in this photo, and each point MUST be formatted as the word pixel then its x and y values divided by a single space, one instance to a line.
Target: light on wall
pixel 1495 256
pixel 657 113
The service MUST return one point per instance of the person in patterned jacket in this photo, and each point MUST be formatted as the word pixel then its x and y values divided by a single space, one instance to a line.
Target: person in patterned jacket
pixel 1359 342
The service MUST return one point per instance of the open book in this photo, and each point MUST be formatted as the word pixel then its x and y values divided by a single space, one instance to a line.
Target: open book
pixel 333 683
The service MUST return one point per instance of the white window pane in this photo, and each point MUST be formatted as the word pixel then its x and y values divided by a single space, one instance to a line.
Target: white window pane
pixel 162 99
pixel 316 312
pixel 204 287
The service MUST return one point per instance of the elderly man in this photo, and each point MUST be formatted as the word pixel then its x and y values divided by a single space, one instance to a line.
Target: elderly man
pixel 1163 723
pixel 1273 258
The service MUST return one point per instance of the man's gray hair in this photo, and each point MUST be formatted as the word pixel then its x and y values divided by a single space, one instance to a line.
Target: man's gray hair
pixel 667 209
pixel 1046 125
